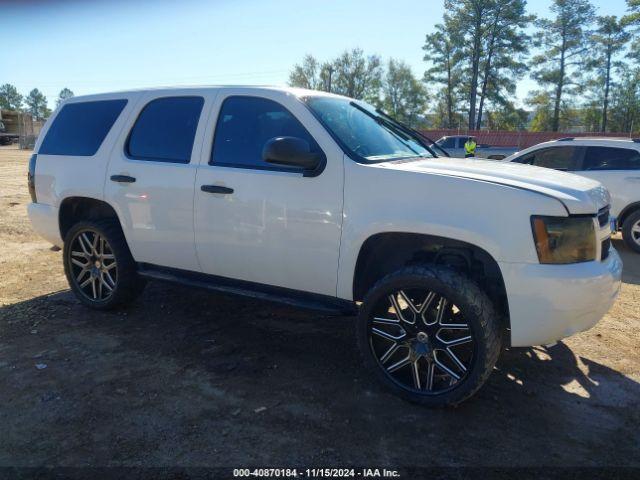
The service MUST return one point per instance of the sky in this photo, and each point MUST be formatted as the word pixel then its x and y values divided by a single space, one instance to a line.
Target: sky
pixel 99 46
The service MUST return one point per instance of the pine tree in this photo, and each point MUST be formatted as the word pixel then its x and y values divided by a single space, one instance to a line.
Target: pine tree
pixel 563 44
pixel 504 48
pixel 608 41
pixel 443 56
pixel 63 95
pixel 10 99
pixel 37 104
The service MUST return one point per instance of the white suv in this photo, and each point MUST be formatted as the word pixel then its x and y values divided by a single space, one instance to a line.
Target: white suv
pixel 613 162
pixel 321 201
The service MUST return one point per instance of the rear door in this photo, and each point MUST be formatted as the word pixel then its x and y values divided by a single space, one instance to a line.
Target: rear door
pixel 73 148
pixel 268 224
pixel 151 174
pixel 616 168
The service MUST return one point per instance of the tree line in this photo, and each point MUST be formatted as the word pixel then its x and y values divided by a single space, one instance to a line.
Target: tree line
pixel 391 86
pixel 586 69
pixel 35 103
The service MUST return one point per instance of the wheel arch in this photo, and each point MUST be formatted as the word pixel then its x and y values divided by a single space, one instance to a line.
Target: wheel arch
pixel 384 253
pixel 73 209
pixel 626 211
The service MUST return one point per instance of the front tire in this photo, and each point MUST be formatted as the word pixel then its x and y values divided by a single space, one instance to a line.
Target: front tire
pixel 98 264
pixel 631 231
pixel 429 334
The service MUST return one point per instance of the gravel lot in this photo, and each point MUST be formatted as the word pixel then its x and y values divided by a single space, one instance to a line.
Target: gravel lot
pixel 190 378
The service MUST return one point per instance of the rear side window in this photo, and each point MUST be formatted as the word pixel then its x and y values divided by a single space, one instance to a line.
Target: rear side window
pixel 558 158
pixel 165 130
pixel 245 124
pixel 80 128
pixel 608 158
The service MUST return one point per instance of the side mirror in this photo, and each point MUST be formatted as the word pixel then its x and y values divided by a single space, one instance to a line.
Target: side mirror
pixel 293 152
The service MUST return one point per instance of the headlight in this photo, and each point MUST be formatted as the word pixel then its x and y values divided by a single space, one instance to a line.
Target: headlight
pixel 564 239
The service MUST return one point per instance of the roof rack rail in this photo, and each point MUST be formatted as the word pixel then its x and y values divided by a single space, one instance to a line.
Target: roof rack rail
pixel 565 139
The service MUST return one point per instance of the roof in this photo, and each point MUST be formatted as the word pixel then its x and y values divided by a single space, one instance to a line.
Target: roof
pixel 633 143
pixel 597 139
pixel 298 92
pixel 594 142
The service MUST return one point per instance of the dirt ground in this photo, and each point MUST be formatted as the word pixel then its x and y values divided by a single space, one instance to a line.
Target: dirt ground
pixel 190 378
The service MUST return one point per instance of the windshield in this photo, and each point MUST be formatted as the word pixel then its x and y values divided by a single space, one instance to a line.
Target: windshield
pixel 363 131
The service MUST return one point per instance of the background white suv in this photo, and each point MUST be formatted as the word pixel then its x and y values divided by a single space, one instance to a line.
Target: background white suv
pixel 323 202
pixel 613 162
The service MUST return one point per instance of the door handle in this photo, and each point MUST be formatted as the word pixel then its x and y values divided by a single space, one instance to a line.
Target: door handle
pixel 122 179
pixel 216 189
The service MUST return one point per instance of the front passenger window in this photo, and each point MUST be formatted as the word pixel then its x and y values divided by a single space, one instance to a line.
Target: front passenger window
pixel 245 124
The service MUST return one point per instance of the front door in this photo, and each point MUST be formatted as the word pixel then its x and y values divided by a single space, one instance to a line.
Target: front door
pixel 263 223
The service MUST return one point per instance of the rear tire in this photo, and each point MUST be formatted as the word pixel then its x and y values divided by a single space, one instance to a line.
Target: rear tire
pixel 441 347
pixel 98 264
pixel 631 231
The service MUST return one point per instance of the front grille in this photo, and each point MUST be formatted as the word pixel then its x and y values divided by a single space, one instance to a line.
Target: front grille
pixel 606 244
pixel 603 217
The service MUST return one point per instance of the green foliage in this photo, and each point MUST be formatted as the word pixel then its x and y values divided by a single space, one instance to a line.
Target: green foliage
pixel 63 95
pixel 10 99
pixel 404 97
pixel 625 101
pixel 591 115
pixel 37 104
pixel 311 74
pixel 542 105
pixel 564 47
pixel 507 117
pixel 352 74
pixel 478 54
pixel 356 75
pixel 607 42
pixel 468 22
pixel 442 53
pixel 632 19
pixel 505 47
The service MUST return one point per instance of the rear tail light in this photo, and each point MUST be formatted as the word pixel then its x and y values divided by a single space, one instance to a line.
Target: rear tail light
pixel 31 178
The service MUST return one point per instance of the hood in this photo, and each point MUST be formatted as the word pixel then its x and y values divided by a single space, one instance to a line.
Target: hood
pixel 580 195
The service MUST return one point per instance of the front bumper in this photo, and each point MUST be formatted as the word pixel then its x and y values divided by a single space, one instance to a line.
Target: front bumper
pixel 44 220
pixel 550 302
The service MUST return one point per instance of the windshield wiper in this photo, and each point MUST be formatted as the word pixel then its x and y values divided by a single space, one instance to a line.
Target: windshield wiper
pixel 388 125
pixel 415 134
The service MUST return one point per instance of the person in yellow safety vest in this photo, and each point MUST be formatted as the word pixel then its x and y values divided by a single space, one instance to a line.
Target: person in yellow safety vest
pixel 470 147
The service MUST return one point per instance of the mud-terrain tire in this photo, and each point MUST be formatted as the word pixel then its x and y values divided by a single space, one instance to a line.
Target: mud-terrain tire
pixel 423 343
pixel 103 263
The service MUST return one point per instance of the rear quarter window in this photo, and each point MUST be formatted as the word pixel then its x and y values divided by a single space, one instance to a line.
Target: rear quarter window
pixel 80 128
